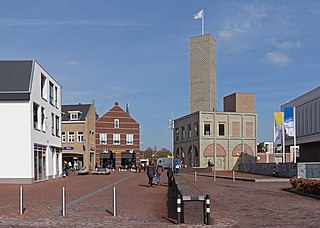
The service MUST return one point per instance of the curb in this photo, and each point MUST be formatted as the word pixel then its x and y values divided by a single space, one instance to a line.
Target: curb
pixel 301 193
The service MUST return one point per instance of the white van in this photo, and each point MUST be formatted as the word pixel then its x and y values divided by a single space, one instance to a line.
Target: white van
pixel 166 162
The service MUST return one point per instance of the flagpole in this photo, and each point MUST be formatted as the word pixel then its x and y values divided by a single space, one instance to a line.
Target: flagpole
pixel 294 136
pixel 202 19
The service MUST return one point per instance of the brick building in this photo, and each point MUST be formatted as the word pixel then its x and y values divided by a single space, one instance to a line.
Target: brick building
pixel 117 139
pixel 232 133
pixel 78 135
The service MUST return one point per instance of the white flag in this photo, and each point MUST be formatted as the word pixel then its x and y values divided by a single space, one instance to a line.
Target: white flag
pixel 198 15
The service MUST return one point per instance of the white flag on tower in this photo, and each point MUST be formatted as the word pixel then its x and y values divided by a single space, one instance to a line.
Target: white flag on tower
pixel 198 15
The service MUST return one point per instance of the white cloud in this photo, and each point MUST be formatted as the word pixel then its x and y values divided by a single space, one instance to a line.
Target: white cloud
pixel 73 62
pixel 247 18
pixel 278 58
pixel 285 45
pixel 225 34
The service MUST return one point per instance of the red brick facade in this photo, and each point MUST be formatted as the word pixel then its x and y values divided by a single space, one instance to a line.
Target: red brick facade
pixel 126 125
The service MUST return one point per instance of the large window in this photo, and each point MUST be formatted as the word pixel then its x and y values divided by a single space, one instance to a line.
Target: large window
pixel 56 96
pixel 177 134
pixel 206 129
pixel 57 126
pixel 222 127
pixel 51 95
pixel 103 138
pixel 39 162
pixel 43 118
pixel 71 136
pixel 52 123
pixel 196 129
pixel 116 139
pixel 116 123
pixel 80 136
pixel 63 137
pixel 129 139
pixel 35 116
pixel 44 87
pixel 189 131
pixel 183 133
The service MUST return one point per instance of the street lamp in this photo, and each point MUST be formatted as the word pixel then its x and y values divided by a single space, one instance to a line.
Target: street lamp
pixel 171 127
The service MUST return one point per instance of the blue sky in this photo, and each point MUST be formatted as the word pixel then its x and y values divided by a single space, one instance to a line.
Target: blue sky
pixel 137 52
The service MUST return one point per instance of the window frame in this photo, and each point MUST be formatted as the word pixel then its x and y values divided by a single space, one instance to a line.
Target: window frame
pixel 204 129
pixel 101 138
pixel 63 137
pixel 71 137
pixel 116 139
pixel 224 129
pixel 129 139
pixel 116 123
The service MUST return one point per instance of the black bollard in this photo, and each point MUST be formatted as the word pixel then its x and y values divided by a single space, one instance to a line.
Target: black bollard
pixel 208 209
pixel 179 209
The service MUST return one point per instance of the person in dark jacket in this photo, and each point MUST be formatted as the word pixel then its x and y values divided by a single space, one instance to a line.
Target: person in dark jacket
pixel 151 172
pixel 170 176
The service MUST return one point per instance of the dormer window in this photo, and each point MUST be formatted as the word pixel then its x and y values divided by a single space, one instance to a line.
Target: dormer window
pixel 74 115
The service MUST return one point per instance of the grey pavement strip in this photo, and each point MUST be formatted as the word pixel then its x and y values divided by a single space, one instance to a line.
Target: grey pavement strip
pixel 79 200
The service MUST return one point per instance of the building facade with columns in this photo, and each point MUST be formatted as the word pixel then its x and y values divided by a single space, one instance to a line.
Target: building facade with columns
pixel 117 139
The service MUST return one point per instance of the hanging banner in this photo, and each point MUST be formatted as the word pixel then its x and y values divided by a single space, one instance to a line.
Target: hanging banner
pixel 278 122
pixel 288 122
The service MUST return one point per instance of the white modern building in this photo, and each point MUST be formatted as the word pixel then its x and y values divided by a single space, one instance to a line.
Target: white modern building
pixel 30 119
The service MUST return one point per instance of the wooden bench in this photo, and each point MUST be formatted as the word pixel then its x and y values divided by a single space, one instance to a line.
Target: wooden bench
pixel 193 201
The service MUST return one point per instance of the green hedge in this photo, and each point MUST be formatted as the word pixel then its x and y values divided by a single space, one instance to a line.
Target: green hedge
pixel 306 185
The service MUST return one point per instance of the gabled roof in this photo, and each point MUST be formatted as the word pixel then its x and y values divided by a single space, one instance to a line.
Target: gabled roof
pixel 117 109
pixel 16 79
pixel 82 108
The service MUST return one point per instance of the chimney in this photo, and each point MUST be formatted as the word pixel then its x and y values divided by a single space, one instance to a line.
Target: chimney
pixel 116 103
pixel 127 109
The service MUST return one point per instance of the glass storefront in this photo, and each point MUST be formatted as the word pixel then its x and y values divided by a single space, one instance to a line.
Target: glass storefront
pixel 76 160
pixel 39 162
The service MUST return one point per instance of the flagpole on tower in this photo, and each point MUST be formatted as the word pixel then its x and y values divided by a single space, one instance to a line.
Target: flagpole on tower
pixel 202 20
pixel 199 15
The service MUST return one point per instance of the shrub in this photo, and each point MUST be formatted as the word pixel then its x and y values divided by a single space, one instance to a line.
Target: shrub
pixel 306 185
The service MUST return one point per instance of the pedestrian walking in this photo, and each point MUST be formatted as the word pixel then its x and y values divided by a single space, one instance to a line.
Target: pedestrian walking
pixel 159 172
pixel 177 167
pixel 151 173
pixel 170 176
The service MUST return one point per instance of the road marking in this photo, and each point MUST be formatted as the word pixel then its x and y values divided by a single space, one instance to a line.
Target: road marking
pixel 91 194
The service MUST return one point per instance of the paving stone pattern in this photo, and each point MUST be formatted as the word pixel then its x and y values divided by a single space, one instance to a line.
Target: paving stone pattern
pixel 89 200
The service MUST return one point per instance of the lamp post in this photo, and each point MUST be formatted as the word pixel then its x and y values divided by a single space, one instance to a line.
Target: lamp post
pixel 171 127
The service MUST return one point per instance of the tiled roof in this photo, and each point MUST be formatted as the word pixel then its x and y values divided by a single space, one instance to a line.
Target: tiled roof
pixel 82 108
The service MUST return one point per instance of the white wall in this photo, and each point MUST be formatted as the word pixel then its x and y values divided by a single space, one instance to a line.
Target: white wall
pixel 15 159
pixel 40 137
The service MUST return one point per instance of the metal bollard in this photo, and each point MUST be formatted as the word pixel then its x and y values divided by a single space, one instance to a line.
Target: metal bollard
pixel 208 209
pixel 64 208
pixel 195 176
pixel 20 200
pixel 114 202
pixel 233 176
pixel 179 209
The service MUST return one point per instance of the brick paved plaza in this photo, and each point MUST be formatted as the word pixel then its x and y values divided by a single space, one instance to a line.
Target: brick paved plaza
pixel 89 203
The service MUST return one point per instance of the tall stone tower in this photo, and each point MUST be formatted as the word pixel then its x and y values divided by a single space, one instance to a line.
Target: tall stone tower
pixel 202 73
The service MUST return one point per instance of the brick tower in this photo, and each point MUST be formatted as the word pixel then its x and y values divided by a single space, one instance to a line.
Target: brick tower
pixel 202 73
